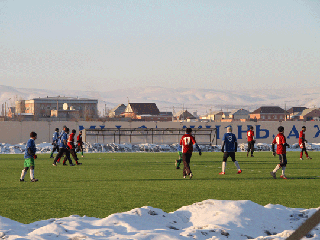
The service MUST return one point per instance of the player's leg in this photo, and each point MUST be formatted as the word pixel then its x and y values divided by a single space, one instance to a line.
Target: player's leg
pixel 249 148
pixel 224 163
pixel 58 156
pixel 23 173
pixel 252 148
pixel 273 173
pixel 233 157
pixel 283 164
pixel 68 157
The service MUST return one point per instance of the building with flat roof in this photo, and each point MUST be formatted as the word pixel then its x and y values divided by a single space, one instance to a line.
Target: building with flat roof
pixel 59 107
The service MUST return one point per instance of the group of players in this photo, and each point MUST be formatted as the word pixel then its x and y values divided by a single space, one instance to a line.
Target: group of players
pixel 63 143
pixel 230 145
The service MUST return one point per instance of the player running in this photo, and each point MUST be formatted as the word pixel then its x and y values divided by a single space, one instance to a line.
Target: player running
pixel 29 156
pixel 229 147
pixel 281 142
pixel 302 143
pixel 187 141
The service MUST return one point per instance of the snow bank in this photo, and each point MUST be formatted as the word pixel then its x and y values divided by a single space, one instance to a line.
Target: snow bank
pixel 209 219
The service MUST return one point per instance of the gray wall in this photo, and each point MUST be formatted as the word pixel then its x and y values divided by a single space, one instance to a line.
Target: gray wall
pixel 18 132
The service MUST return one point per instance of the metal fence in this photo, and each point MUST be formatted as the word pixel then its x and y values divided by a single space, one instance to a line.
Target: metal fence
pixel 147 135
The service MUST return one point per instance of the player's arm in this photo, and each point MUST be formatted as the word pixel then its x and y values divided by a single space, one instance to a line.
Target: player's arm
pixel 222 146
pixel 273 151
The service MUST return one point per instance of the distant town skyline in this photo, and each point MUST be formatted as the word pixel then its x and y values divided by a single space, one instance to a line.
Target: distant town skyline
pixel 109 45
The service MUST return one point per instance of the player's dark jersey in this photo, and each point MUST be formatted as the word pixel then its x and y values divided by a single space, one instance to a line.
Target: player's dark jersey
pixel 187 142
pixel 30 144
pixel 55 138
pixel 281 141
pixel 229 140
pixel 63 137
pixel 250 135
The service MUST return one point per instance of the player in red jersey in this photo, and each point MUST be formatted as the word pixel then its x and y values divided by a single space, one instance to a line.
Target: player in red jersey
pixel 281 142
pixel 187 141
pixel 251 141
pixel 71 148
pixel 302 143
pixel 80 143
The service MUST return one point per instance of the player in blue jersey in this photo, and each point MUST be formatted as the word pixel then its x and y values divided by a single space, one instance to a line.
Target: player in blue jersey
pixel 229 147
pixel 29 156
pixel 63 148
pixel 55 142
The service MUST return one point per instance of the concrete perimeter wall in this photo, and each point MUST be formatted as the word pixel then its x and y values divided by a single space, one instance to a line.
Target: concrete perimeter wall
pixel 18 132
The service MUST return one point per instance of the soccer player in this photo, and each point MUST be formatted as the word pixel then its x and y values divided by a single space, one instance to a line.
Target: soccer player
pixel 80 143
pixel 71 148
pixel 178 161
pixel 29 156
pixel 63 149
pixel 302 143
pixel 251 141
pixel 229 147
pixel 187 141
pixel 281 142
pixel 55 142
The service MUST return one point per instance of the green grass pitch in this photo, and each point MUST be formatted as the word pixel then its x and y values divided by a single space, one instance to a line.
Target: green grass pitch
pixel 108 183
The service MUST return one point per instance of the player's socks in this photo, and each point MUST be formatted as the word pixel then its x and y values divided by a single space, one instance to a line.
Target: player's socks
pixel 283 170
pixel 23 174
pixel 31 174
pixel 301 153
pixel 237 165
pixel 224 164
pixel 276 168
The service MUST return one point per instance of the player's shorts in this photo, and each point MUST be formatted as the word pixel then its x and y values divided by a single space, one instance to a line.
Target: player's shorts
pixel 28 162
pixel 229 154
pixel 302 145
pixel 283 160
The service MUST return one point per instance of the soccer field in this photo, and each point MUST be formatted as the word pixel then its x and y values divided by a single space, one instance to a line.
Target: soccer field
pixel 108 183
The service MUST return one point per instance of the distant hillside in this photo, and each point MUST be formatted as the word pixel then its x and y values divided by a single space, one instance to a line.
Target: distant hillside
pixel 201 100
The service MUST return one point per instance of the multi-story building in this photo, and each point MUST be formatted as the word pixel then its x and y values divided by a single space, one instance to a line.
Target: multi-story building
pixel 64 107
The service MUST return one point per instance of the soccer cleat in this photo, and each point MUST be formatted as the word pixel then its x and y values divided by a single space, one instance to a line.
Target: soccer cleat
pixel 283 177
pixel 239 171
pixel 273 174
pixel 34 180
pixel 252 156
pixel 191 175
pixel 82 156
pixel 309 158
pixel 184 176
pixel 54 164
pixel 64 164
pixel 222 173
pixel 301 158
pixel 21 180
pixel 71 164
pixel 78 163
pixel 177 167
pixel 51 157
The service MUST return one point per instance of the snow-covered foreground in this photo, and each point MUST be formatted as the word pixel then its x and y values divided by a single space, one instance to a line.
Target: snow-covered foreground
pixel 210 219
pixel 144 147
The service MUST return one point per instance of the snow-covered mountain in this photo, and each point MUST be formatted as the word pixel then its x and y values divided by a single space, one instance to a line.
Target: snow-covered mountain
pixel 167 99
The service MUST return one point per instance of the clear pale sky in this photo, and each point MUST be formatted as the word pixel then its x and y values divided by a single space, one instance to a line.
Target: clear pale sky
pixel 111 44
